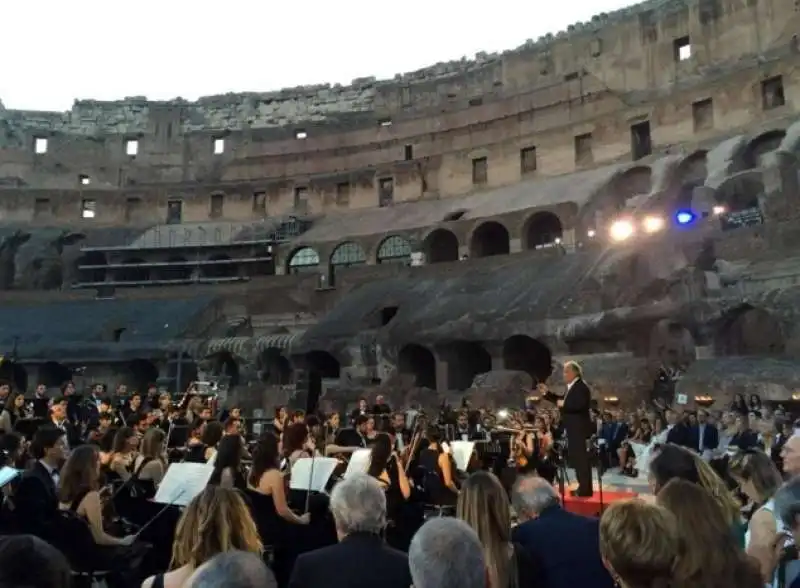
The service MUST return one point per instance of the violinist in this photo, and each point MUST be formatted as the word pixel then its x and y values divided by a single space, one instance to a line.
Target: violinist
pixel 439 470
pixel 386 466
pixel 465 431
pixel 525 449
pixel 401 433
pixel 13 410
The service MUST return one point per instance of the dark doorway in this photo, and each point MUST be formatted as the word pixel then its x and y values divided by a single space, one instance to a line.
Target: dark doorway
pixel 274 368
pixel 141 373
pixel 14 374
pixel 465 360
pixel 526 354
pixel 491 238
pixel 418 361
pixel 440 246
pixel 322 366
pixel 53 374
pixel 641 142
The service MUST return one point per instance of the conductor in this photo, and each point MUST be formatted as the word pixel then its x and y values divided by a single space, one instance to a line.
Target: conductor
pixel 575 405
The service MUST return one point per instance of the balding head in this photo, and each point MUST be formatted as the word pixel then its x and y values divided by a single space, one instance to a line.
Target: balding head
pixel 791 456
pixel 531 496
pixel 446 553
pixel 233 569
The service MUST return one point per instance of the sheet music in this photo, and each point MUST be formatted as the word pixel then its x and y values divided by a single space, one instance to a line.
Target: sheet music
pixel 182 482
pixel 462 451
pixel 314 478
pixel 8 474
pixel 359 462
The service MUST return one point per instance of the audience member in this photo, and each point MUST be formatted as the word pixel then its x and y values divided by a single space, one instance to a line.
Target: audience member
pixel 216 521
pixel 639 544
pixel 358 505
pixel 567 544
pixel 233 569
pixel 777 555
pixel 791 456
pixel 483 505
pixel 447 553
pixel 28 561
pixel 710 555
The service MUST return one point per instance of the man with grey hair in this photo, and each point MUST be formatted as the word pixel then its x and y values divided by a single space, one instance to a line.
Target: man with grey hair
pixel 786 506
pixel 360 559
pixel 566 545
pixel 233 569
pixel 446 553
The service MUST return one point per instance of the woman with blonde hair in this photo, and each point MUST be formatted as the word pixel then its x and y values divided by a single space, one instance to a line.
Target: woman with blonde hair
pixel 483 505
pixel 759 480
pixel 216 521
pixel 709 554
pixel 150 465
pixel 639 544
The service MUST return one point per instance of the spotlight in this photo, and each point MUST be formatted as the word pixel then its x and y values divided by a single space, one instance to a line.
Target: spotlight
pixel 590 233
pixel 621 230
pixel 557 241
pixel 653 224
pixel 718 210
pixel 684 217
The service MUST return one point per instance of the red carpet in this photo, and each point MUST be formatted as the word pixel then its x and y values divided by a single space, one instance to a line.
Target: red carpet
pixel 592 506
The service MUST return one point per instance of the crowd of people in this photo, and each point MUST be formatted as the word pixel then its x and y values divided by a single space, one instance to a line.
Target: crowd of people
pixel 720 512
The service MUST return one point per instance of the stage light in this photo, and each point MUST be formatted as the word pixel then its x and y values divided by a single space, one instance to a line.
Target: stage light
pixel 502 413
pixel 684 217
pixel 653 224
pixel 718 210
pixel 621 230
pixel 590 233
pixel 557 241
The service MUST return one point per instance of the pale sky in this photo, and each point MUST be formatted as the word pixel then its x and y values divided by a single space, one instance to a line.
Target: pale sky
pixel 53 51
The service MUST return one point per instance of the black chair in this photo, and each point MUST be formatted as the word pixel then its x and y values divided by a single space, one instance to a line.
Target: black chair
pixel 71 535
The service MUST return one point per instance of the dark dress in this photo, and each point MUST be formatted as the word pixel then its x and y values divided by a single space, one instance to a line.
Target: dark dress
pixel 433 480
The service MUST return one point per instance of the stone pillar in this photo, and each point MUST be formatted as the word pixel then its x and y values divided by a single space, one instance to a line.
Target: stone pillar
pixel 781 186
pixel 442 375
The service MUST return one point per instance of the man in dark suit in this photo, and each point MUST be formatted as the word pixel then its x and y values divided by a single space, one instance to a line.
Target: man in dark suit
pixel 678 432
pixel 358 505
pixel 567 545
pixel 36 498
pixel 704 436
pixel 575 405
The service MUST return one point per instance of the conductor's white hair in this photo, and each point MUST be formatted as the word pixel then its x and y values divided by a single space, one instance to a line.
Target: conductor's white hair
pixel 575 367
pixel 446 553
pixel 358 504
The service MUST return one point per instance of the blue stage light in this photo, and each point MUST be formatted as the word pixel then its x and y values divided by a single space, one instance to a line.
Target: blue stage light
pixel 685 217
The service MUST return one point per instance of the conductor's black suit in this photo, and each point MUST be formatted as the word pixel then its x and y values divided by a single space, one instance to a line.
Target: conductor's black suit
pixel 578 425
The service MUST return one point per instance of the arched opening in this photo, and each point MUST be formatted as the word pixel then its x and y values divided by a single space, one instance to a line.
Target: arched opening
pixel 181 369
pixel 418 361
pixel 304 260
pixel 761 145
pixel 273 368
pixel 224 366
pixel 179 270
pixel 542 229
pixel 747 330
pixel 613 198
pixel 14 374
pixel 85 265
pixel 348 254
pixel 490 238
pixel 525 354
pixel 266 264
pixel 53 374
pixel 740 196
pixel 465 360
pixel 322 366
pixel 134 272
pixel 219 266
pixel 440 246
pixel 139 374
pixel 394 249
pixel 690 174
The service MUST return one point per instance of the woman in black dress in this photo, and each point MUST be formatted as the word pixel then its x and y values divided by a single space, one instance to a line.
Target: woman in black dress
pixel 439 471
pixel 228 464
pixel 386 467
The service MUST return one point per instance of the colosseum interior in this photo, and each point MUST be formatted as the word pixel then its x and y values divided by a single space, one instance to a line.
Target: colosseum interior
pixel 622 193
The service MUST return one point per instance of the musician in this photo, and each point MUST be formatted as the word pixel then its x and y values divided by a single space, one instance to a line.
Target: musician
pixel 279 421
pixel 386 466
pixel 332 423
pixel 297 443
pixel 464 431
pixel 355 437
pixel 525 451
pixel 36 499
pixel 575 406
pixel 362 410
pixel 401 433
pixel 91 406
pixel 13 410
pixel 380 407
pixel 195 448
pixel 126 443
pixel 210 438
pixel 5 391
pixel 370 431
pixel 228 472
pixel 132 407
pixel 152 398
pixel 440 481
pixel 58 417
pixel 40 402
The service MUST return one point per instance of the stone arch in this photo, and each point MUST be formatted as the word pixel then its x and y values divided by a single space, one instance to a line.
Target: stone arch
pixel 526 354
pixel 420 362
pixel 740 192
pixel 14 374
pixel 394 249
pixel 488 239
pixel 348 253
pixel 672 346
pixel 465 360
pixel 612 198
pixel 180 271
pixel 181 369
pixel 440 245
pixel 747 330
pixel 274 368
pixel 134 272
pixel 690 173
pixel 321 366
pixel 54 374
pixel 223 364
pixel 542 229
pixel 222 266
pixel 139 374
pixel 761 145
pixel 303 260
pixel 91 273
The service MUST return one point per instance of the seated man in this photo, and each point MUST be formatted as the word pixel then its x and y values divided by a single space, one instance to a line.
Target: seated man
pixel 36 498
pixel 446 553
pixel 233 569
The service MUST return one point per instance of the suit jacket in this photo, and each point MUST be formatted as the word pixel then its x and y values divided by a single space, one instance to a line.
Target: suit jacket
pixel 680 434
pixel 710 437
pixel 36 500
pixel 376 565
pixel 568 547
pixel 614 433
pixel 575 411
